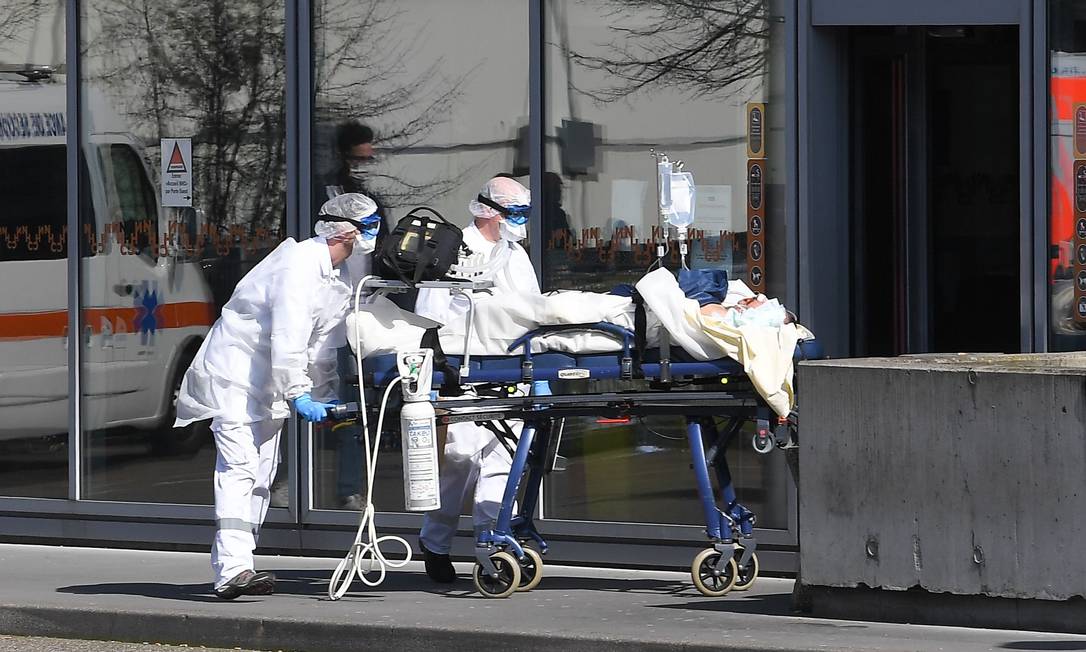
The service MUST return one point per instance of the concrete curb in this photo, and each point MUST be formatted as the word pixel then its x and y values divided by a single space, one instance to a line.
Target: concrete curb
pixel 947 610
pixel 279 634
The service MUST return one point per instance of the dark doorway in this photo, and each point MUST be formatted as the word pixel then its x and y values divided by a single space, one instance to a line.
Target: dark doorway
pixel 934 132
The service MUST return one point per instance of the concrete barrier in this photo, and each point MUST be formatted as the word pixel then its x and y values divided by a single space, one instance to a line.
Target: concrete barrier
pixel 960 474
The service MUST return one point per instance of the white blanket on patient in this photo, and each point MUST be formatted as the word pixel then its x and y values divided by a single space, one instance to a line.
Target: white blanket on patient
pixel 765 353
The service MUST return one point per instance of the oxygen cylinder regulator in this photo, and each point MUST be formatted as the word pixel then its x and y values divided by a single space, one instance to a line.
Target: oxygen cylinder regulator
pixel 418 431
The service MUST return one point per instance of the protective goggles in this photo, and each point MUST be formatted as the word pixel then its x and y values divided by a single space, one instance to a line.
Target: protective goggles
pixel 517 214
pixel 368 226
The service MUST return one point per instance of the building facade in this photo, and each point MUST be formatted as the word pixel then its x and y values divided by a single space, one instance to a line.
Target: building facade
pixel 907 177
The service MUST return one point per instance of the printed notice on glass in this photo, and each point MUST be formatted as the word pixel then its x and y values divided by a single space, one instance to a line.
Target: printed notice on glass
pixel 176 172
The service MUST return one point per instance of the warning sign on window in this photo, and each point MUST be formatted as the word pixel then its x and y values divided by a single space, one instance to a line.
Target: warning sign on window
pixel 177 172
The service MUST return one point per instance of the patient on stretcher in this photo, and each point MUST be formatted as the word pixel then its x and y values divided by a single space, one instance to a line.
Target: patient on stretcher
pixel 749 311
pixel 715 320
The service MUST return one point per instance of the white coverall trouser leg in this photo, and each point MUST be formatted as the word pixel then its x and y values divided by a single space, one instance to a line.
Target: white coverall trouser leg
pixel 482 476
pixel 248 456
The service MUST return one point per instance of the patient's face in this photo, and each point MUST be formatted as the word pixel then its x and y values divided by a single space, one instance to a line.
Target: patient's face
pixel 718 310
pixel 714 310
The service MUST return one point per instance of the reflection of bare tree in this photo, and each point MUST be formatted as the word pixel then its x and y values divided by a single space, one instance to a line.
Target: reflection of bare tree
pixel 215 70
pixel 361 53
pixel 212 70
pixel 697 47
pixel 15 16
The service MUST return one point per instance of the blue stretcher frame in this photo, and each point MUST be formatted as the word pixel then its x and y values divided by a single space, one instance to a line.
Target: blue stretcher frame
pixel 725 391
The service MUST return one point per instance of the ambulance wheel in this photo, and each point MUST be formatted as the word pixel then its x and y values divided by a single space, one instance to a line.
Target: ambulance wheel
pixel 744 577
pixel 167 440
pixel 706 578
pixel 505 583
pixel 531 570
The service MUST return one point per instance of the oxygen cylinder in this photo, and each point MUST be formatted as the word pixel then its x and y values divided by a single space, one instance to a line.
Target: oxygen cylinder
pixel 420 479
pixel 418 433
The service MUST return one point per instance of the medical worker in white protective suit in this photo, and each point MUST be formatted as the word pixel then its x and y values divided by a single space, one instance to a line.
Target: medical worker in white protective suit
pixel 274 346
pixel 476 464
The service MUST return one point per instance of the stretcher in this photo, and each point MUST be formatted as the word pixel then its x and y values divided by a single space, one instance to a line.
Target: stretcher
pixel 661 381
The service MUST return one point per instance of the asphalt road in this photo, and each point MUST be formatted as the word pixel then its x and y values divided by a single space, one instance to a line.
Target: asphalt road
pixel 42 644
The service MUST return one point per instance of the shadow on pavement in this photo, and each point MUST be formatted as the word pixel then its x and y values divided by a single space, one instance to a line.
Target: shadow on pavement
pixel 313 583
pixel 290 582
pixel 766 604
pixel 1044 645
pixel 190 592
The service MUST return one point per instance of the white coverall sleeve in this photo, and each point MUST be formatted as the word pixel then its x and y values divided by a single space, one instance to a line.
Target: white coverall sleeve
pixel 291 329
pixel 323 368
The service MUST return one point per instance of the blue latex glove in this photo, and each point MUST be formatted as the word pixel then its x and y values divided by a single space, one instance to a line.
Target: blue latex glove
pixel 541 388
pixel 311 410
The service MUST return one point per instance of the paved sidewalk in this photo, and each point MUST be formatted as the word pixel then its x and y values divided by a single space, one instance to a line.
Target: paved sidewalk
pixel 163 597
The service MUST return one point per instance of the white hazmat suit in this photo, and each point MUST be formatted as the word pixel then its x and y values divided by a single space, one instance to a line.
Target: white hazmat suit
pixel 275 341
pixel 474 459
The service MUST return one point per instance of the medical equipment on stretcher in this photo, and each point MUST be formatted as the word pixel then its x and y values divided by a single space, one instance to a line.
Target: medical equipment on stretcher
pixel 675 194
pixel 414 372
pixel 418 432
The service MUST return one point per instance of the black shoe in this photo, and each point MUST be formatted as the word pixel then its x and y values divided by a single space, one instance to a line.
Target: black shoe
pixel 438 567
pixel 247 582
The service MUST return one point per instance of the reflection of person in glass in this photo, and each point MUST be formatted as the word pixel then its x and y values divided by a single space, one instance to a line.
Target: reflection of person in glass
pixel 475 461
pixel 275 344
pixel 355 158
pixel 355 155
pixel 555 218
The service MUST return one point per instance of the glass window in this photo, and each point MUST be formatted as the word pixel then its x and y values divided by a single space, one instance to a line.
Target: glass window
pixel 33 253
pixel 164 260
pixel 703 83
pixel 416 102
pixel 1067 219
pixel 135 199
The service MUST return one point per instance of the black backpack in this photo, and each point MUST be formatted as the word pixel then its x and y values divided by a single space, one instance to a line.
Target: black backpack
pixel 421 247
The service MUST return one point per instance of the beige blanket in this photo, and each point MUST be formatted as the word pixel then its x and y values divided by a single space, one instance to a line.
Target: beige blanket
pixel 765 353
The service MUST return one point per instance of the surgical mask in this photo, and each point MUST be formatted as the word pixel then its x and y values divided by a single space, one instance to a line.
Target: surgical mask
pixel 770 314
pixel 363 245
pixel 358 166
pixel 365 241
pixel 513 232
pixel 357 171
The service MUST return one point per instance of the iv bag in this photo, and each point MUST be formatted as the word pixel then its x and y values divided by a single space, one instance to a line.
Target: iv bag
pixel 663 170
pixel 680 209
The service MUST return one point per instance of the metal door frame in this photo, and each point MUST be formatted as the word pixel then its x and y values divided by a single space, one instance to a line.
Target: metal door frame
pixel 822 145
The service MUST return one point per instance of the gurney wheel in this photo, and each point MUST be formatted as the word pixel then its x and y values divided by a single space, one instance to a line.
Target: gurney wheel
pixel 762 444
pixel 745 577
pixel 505 583
pixel 707 581
pixel 531 570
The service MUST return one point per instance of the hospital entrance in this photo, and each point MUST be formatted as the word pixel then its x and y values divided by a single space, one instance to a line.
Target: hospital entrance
pixel 933 190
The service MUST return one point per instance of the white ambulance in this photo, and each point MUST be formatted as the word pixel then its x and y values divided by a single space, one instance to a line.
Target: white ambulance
pixel 146 305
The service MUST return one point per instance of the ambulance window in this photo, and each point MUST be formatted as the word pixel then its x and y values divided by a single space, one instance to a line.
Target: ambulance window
pixel 137 201
pixel 32 202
